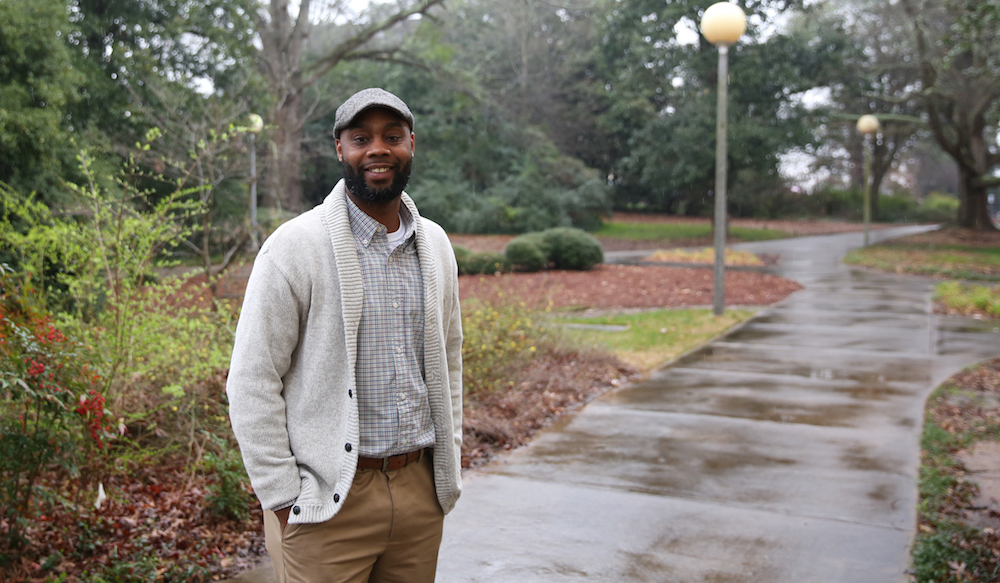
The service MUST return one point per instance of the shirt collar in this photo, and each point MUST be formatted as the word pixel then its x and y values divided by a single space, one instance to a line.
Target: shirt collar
pixel 365 228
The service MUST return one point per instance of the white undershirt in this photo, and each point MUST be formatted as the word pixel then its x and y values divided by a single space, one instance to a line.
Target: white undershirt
pixel 399 235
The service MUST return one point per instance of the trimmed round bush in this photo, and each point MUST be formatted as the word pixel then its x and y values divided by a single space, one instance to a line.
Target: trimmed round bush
pixel 462 255
pixel 525 254
pixel 570 248
pixel 485 263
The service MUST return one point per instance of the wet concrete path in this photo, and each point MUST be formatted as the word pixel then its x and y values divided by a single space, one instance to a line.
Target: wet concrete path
pixel 786 451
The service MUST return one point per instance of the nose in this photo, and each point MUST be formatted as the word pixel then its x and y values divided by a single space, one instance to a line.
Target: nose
pixel 378 147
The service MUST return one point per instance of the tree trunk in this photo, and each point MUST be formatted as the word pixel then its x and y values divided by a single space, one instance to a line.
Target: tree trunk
pixel 285 184
pixel 973 212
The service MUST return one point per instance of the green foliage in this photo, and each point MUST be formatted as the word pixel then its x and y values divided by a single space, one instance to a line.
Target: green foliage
pixel 659 121
pixel 462 255
pixel 568 248
pixel 525 253
pixel 938 208
pixel 229 496
pixel 499 340
pixel 484 263
pixel 52 413
pixel 38 83
pixel 969 298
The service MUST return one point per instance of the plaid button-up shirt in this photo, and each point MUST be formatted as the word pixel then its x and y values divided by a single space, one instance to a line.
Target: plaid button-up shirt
pixel 395 415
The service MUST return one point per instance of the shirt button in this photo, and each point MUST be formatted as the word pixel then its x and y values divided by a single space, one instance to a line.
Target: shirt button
pixel 402 396
pixel 395 304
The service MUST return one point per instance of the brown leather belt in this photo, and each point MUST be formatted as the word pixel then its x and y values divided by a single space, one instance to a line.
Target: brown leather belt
pixel 390 463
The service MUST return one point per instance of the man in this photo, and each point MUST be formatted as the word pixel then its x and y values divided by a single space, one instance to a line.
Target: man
pixel 345 387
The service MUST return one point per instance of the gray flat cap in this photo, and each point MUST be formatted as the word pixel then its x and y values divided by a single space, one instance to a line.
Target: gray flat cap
pixel 366 99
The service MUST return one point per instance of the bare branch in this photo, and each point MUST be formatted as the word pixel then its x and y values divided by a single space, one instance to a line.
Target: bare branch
pixel 348 47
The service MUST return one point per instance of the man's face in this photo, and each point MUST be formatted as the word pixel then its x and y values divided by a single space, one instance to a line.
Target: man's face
pixel 375 153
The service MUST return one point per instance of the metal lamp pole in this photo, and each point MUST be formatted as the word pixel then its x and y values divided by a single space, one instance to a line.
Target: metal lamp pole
pixel 256 125
pixel 867 125
pixel 722 25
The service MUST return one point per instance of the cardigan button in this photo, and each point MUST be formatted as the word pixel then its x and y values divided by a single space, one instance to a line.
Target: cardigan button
pixel 348 447
pixel 336 498
pixel 296 510
pixel 350 393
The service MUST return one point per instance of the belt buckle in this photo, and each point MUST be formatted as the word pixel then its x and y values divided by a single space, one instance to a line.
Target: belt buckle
pixel 385 464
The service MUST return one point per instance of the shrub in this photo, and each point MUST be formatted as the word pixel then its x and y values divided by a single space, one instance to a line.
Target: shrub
pixel 570 248
pixel 498 341
pixel 937 208
pixel 52 415
pixel 462 255
pixel 525 253
pixel 228 496
pixel 483 263
pixel 898 207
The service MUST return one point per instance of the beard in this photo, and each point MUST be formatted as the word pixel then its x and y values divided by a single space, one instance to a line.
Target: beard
pixel 356 184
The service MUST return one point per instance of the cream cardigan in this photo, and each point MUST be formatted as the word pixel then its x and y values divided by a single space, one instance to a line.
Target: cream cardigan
pixel 292 377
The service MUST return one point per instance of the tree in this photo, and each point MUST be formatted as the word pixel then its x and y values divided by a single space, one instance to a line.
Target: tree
pixel 874 75
pixel 38 85
pixel 660 125
pixel 958 50
pixel 283 39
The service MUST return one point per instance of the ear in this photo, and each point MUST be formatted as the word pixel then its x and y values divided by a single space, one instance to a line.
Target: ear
pixel 413 142
pixel 340 154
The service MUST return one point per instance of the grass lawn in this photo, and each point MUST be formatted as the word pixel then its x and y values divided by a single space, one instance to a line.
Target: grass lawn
pixel 650 338
pixel 948 253
pixel 671 231
pixel 956 262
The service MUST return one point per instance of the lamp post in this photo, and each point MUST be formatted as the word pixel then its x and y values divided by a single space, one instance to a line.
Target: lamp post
pixel 256 124
pixel 867 125
pixel 722 25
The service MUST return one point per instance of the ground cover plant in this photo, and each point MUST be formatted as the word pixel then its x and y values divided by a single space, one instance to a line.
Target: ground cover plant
pixel 975 300
pixel 948 253
pixel 958 535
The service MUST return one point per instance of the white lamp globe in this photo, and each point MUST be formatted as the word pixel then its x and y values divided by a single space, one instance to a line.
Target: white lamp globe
pixel 868 124
pixel 255 123
pixel 723 23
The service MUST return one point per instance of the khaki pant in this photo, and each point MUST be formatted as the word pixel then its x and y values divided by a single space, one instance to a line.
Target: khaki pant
pixel 388 531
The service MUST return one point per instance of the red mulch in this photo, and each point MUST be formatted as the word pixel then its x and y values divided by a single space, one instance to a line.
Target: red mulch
pixel 627 286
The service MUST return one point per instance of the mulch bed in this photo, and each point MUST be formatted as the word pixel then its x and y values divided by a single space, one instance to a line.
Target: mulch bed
pixel 626 286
